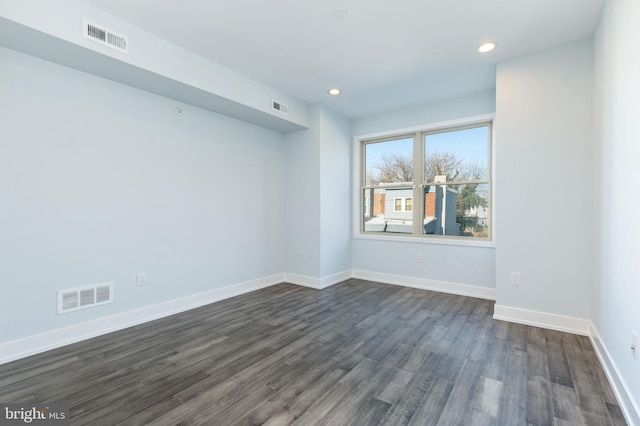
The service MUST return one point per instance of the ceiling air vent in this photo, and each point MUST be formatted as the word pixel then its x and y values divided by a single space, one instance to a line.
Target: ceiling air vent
pixel 105 36
pixel 84 297
pixel 280 107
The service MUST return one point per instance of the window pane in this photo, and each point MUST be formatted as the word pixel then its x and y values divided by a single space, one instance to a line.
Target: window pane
pixel 373 210
pixel 389 161
pixel 379 210
pixel 457 155
pixel 408 204
pixel 457 210
pixel 397 207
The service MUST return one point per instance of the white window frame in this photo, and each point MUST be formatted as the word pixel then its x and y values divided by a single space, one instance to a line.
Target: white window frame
pixel 395 204
pixel 403 204
pixel 414 238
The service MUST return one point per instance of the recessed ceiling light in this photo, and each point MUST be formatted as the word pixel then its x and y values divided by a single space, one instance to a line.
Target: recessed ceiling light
pixel 340 13
pixel 487 47
pixel 334 91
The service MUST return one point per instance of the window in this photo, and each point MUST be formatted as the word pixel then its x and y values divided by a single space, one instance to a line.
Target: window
pixel 402 204
pixel 447 169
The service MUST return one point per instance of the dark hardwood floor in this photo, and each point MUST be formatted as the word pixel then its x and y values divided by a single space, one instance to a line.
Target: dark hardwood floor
pixel 357 353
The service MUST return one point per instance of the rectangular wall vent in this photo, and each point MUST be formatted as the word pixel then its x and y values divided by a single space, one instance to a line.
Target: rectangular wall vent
pixel 74 299
pixel 281 107
pixel 105 36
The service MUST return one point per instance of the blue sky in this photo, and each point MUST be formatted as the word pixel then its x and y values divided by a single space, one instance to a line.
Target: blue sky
pixel 469 145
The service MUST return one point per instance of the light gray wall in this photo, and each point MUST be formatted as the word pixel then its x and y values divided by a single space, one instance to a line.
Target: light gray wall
pixel 616 296
pixel 302 212
pixel 447 109
pixel 318 211
pixel 153 63
pixel 454 264
pixel 544 157
pixel 335 193
pixel 99 181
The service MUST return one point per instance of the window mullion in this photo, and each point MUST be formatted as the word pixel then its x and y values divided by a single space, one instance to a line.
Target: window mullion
pixel 363 184
pixel 392 197
pixel 418 179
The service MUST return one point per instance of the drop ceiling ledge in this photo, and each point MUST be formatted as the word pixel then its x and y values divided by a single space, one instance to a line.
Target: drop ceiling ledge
pixel 22 38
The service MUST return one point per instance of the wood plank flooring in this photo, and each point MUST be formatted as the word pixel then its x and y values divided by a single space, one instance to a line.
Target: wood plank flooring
pixel 358 353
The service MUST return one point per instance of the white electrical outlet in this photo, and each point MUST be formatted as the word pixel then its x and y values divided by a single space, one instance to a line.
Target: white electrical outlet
pixel 634 344
pixel 418 257
pixel 515 278
pixel 141 278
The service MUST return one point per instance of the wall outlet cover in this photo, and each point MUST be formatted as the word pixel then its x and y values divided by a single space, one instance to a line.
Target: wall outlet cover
pixel 515 278
pixel 141 278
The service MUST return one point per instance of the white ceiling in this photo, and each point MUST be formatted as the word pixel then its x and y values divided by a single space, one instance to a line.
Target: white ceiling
pixel 384 55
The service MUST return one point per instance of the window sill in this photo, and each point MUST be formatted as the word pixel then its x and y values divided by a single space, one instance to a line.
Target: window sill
pixel 427 240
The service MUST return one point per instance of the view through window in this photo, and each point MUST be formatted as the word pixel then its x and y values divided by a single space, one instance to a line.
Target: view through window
pixel 446 170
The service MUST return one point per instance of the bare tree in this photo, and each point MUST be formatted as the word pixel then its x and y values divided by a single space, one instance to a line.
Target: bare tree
pixel 442 163
pixel 371 179
pixel 393 168
pixel 475 171
pixel 397 167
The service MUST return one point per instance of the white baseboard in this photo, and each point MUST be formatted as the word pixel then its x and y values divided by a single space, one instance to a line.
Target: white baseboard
pixel 317 283
pixel 542 319
pixel 425 284
pixel 32 345
pixel 628 404
pixel 624 396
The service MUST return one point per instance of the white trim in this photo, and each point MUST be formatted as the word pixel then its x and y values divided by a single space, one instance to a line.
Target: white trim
pixel 403 204
pixel 38 343
pixel 302 280
pixel 426 284
pixel 422 239
pixel 474 119
pixel 317 283
pixel 542 319
pixel 628 404
pixel 626 401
